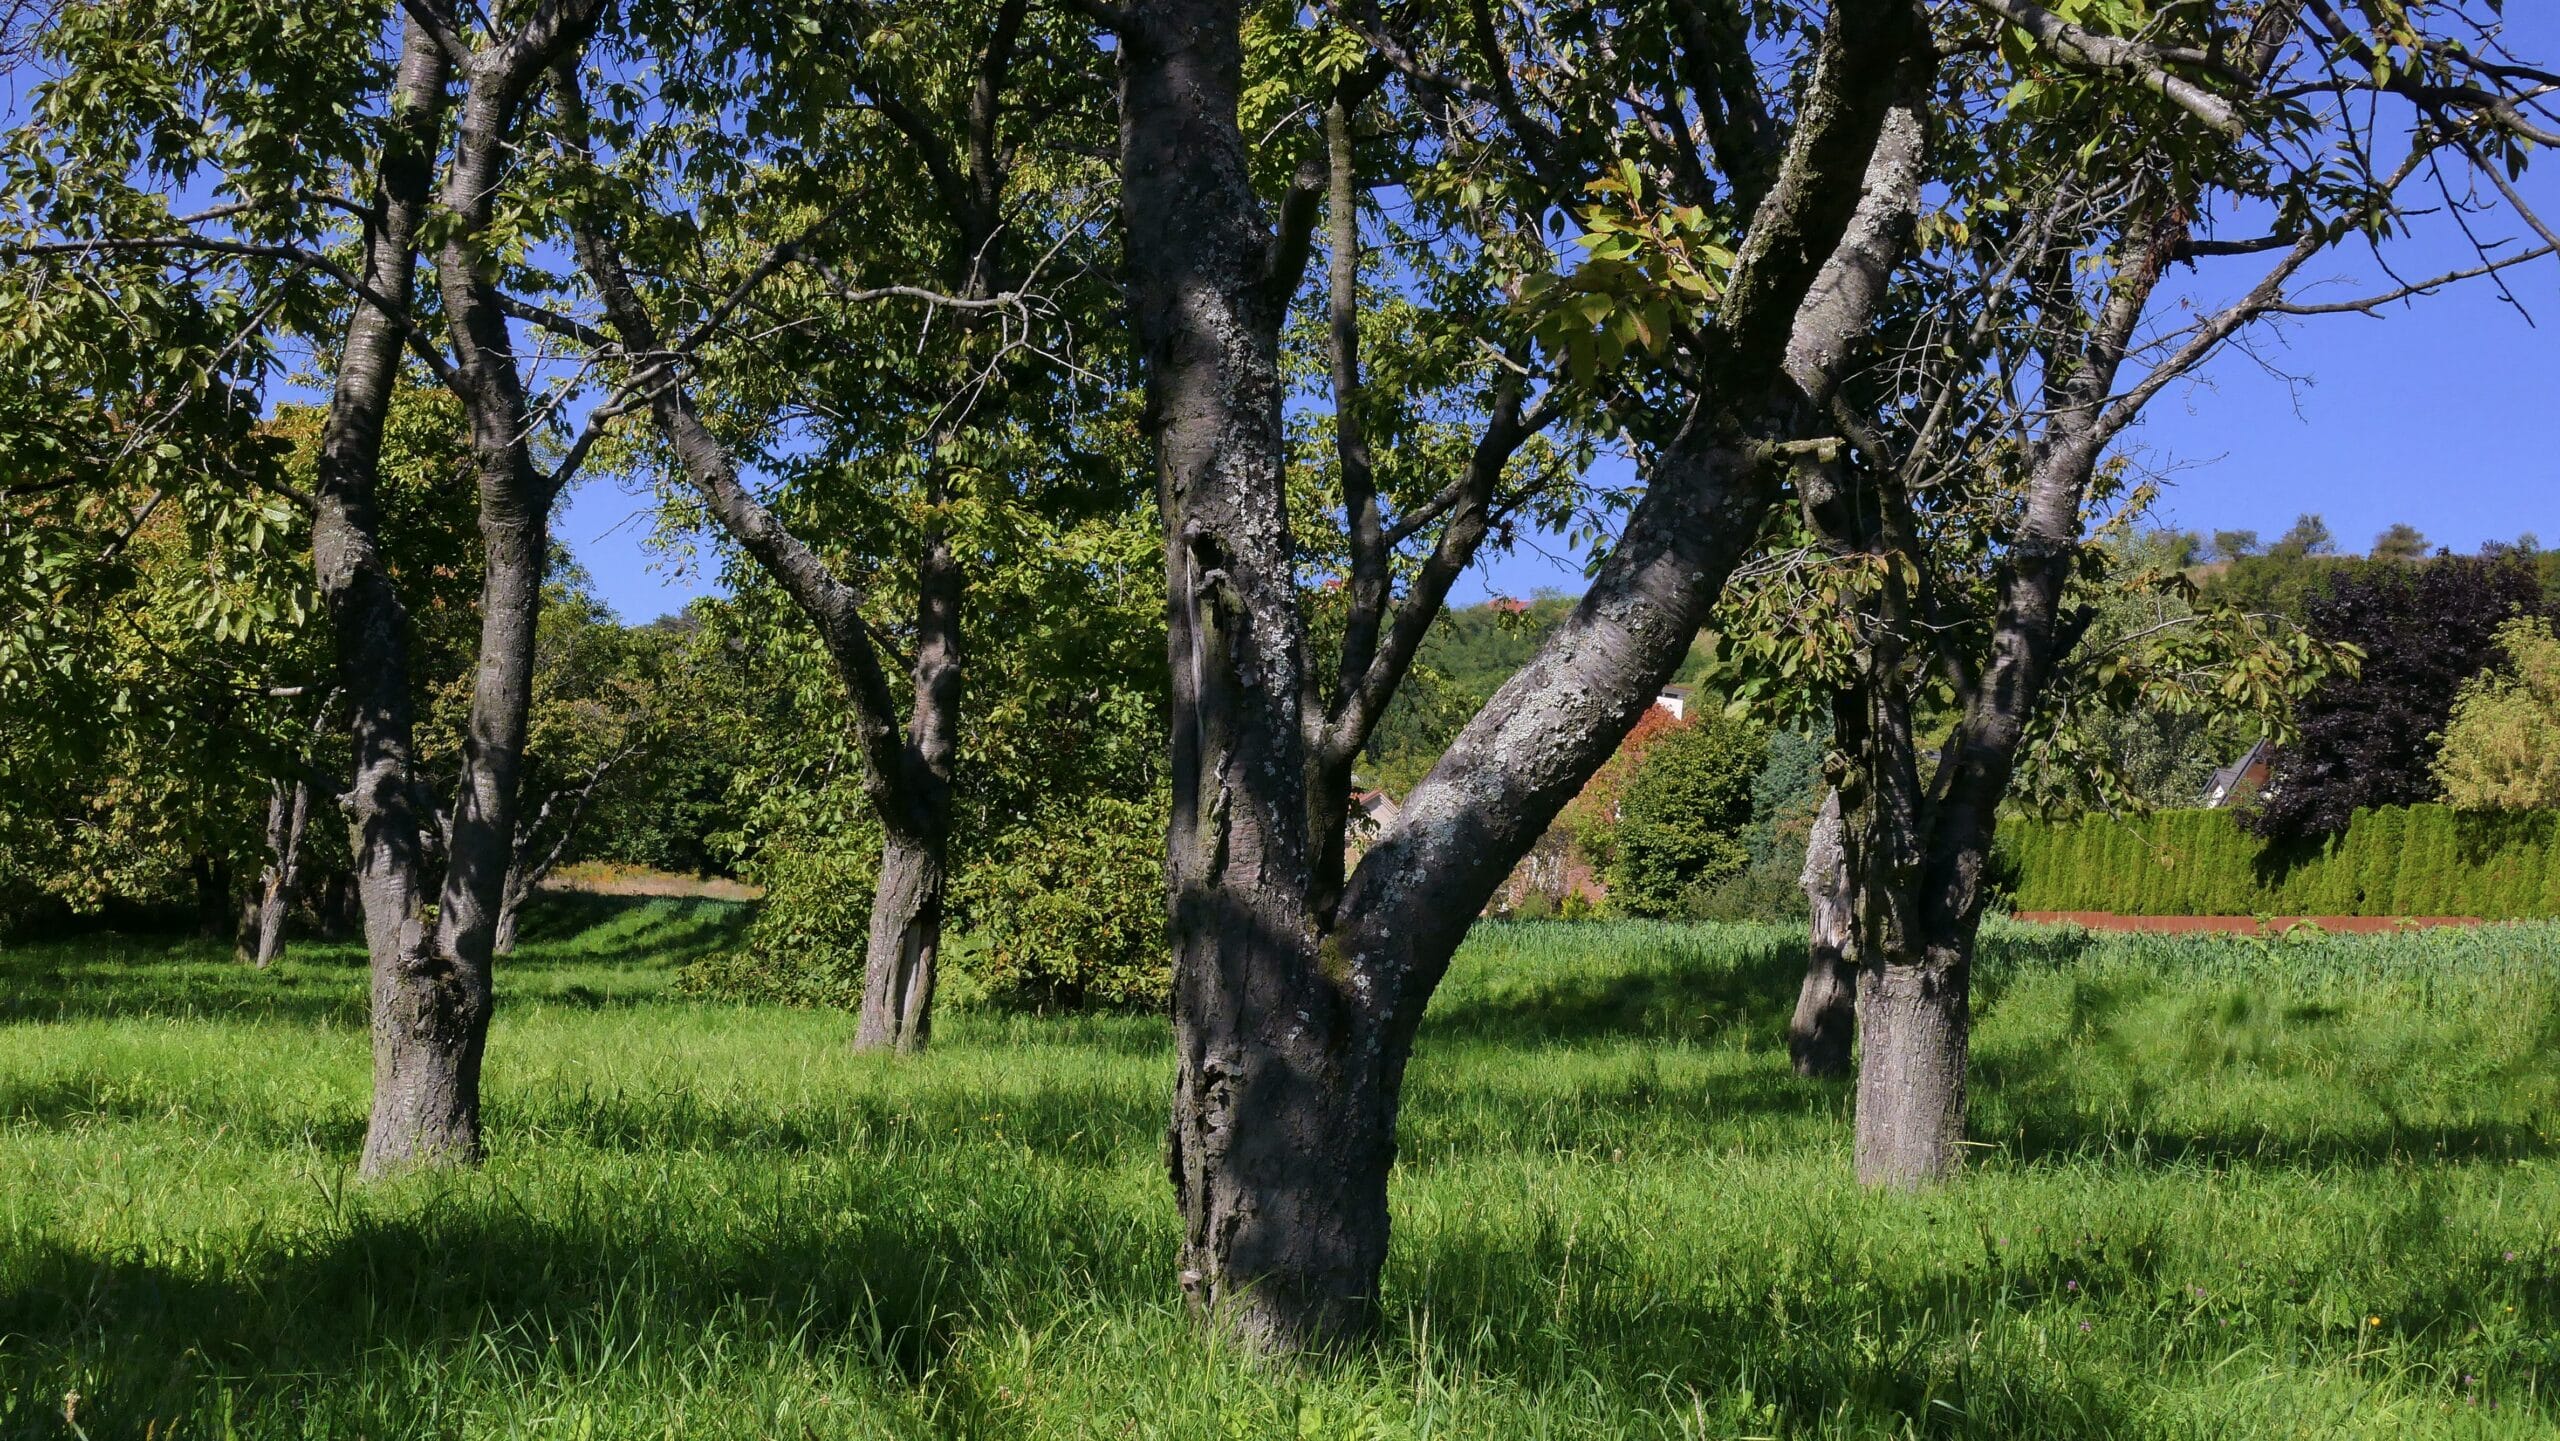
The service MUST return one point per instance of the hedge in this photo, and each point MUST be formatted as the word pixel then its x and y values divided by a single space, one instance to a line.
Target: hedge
pixel 2392 861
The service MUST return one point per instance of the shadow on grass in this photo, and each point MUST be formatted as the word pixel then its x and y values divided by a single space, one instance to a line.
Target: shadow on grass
pixel 573 947
pixel 385 1321
pixel 1659 988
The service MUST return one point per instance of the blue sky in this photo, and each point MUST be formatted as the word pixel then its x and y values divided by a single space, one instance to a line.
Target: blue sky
pixel 2443 413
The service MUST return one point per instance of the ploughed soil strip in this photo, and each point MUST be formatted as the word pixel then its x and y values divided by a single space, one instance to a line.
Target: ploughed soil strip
pixel 2243 925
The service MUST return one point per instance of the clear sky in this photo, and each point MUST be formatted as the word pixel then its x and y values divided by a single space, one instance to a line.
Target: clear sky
pixel 2443 413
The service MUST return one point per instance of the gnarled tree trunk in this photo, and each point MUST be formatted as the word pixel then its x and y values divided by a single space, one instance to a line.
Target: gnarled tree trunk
pixel 430 991
pixel 906 939
pixel 1825 1024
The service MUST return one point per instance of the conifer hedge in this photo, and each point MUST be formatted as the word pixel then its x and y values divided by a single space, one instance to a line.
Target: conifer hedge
pixel 2392 861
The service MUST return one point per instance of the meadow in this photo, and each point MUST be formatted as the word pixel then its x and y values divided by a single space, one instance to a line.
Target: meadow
pixel 2224 1188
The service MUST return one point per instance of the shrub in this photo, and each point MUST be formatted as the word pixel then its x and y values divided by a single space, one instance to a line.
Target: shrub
pixel 1066 908
pixel 1685 810
pixel 2371 739
pixel 818 858
pixel 2502 743
pixel 2391 861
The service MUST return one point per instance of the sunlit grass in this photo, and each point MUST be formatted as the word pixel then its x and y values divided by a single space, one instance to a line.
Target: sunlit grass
pixel 2309 1188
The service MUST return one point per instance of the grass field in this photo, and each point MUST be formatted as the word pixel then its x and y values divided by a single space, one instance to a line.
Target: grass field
pixel 2301 1189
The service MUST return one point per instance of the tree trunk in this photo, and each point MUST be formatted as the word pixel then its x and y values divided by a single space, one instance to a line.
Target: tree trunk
pixel 906 908
pixel 286 823
pixel 1281 1142
pixel 1825 1024
pixel 502 940
pixel 906 941
pixel 1915 1017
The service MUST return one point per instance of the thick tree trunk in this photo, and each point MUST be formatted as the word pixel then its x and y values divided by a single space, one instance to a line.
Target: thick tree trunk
pixel 1915 1017
pixel 1825 1024
pixel 1280 1145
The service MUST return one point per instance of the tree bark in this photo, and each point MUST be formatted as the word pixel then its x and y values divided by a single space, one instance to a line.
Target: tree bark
pixel 413 996
pixel 1294 1019
pixel 1915 1019
pixel 1825 1024
pixel 906 907
pixel 906 938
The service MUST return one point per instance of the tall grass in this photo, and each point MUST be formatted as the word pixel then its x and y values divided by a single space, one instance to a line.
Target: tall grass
pixel 2303 1188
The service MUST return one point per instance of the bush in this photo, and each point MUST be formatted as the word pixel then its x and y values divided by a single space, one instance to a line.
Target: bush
pixel 1682 822
pixel 1066 908
pixel 818 860
pixel 2391 861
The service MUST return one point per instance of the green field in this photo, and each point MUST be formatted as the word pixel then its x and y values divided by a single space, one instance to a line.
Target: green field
pixel 2308 1188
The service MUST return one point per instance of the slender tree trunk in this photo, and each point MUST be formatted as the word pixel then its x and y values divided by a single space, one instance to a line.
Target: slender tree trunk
pixel 502 940
pixel 431 994
pixel 1825 1024
pixel 287 821
pixel 906 938
pixel 906 908
pixel 371 631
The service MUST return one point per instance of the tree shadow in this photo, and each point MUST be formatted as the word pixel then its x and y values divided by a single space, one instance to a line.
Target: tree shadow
pixel 660 932
pixel 328 1326
pixel 1664 990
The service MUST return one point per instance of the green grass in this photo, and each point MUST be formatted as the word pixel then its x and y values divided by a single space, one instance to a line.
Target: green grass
pixel 2308 1188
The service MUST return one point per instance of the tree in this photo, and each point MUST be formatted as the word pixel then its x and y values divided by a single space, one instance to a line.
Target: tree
pixel 2236 544
pixel 2401 541
pixel 1684 813
pixel 2018 378
pixel 1296 996
pixel 425 153
pixel 2501 744
pixel 925 403
pixel 2309 535
pixel 2426 630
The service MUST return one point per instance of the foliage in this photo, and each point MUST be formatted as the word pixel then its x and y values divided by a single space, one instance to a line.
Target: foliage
pixel 2390 861
pixel 2501 744
pixel 1065 908
pixel 816 853
pixel 1062 735
pixel 1590 821
pixel 2371 739
pixel 715 1221
pixel 1682 819
pixel 1785 797
pixel 2166 684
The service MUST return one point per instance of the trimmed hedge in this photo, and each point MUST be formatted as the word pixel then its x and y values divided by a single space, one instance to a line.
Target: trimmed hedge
pixel 2392 861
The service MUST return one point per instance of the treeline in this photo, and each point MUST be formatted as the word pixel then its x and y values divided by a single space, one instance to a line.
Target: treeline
pixel 2392 861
